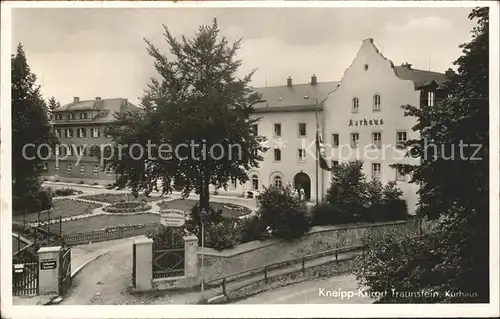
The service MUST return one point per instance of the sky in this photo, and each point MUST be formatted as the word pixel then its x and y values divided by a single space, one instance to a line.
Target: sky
pixel 101 52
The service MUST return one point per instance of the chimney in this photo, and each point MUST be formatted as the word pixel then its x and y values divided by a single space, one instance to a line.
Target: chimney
pixel 407 65
pixel 314 80
pixel 76 99
pixel 98 98
pixel 289 81
pixel 125 101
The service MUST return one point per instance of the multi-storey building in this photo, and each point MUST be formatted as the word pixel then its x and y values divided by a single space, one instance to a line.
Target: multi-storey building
pixel 360 117
pixel 80 125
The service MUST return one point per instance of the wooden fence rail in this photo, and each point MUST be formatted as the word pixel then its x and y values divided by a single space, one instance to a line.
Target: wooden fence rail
pixel 262 273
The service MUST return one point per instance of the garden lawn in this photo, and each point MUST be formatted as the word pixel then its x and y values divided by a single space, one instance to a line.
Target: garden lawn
pixel 89 224
pixel 116 198
pixel 62 207
pixel 187 204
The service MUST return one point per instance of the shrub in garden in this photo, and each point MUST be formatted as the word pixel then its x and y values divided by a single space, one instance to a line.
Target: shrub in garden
pixel 67 192
pixel 398 261
pixel 252 228
pixel 348 190
pixel 222 235
pixel 283 213
pixel 163 235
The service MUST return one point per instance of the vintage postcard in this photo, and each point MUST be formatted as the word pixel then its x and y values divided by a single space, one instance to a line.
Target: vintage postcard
pixel 267 159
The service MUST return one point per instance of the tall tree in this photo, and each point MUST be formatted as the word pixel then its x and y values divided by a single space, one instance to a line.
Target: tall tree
pixel 200 109
pixel 454 179
pixel 53 103
pixel 30 126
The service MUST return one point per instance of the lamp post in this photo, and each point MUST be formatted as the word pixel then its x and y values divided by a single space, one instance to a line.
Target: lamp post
pixel 203 213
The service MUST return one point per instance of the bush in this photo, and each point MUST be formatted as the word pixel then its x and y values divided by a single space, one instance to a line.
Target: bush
pixel 396 209
pixel 67 192
pixel 283 213
pixel 325 213
pixel 252 228
pixel 397 261
pixel 222 235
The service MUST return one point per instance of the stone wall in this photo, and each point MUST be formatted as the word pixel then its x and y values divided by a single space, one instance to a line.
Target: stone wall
pixel 259 253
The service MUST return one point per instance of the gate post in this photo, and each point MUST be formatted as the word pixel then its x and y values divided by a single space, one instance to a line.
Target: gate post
pixel 191 269
pixel 143 263
pixel 48 270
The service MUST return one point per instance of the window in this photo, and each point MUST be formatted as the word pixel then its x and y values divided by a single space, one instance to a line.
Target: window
pixel 377 139
pixel 81 132
pixel 69 150
pixel 56 166
pixel 354 140
pixel 233 182
pixel 59 116
pixel 401 138
pixel 82 168
pixel 95 169
pixel 254 128
pixel 45 167
pixel 355 105
pixel 430 98
pixel 58 132
pixel 277 154
pixel 96 132
pixel 277 130
pixel 69 167
pixel 302 155
pixel 278 182
pixel 71 116
pixel 109 170
pixel 69 132
pixel 83 115
pixel 335 140
pixel 376 169
pixel 376 103
pixel 302 129
pixel 255 182
pixel 80 150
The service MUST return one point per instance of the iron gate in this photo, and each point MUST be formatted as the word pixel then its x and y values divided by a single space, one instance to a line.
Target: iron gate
pixel 64 270
pixel 25 277
pixel 168 257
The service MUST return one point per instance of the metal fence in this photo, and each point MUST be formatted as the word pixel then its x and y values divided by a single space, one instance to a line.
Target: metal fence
pixel 103 235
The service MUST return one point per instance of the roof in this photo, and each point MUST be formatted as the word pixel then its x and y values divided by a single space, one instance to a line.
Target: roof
pixel 298 97
pixel 420 78
pixel 106 108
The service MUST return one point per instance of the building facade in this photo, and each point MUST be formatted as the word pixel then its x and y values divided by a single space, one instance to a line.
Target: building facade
pixel 80 125
pixel 360 117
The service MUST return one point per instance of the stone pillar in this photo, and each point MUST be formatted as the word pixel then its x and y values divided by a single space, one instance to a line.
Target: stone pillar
pixel 143 263
pixel 48 274
pixel 191 269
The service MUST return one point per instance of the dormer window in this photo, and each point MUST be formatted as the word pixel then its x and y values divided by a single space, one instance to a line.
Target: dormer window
pixel 58 116
pixel 83 115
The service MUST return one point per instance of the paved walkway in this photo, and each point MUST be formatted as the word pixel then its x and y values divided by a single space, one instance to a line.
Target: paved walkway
pixel 107 280
pixel 320 291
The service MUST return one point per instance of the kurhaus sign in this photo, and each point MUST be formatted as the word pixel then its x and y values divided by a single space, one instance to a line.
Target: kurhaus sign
pixel 366 122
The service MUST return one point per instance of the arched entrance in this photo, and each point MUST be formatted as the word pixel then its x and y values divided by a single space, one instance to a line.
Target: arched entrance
pixel 302 180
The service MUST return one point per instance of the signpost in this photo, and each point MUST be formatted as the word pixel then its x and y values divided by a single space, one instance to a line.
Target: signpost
pixel 172 218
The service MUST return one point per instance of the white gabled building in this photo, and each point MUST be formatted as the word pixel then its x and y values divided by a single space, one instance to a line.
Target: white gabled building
pixel 360 117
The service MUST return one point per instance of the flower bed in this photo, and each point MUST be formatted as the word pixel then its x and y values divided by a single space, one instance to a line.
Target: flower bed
pixel 117 198
pixel 127 207
pixel 228 210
